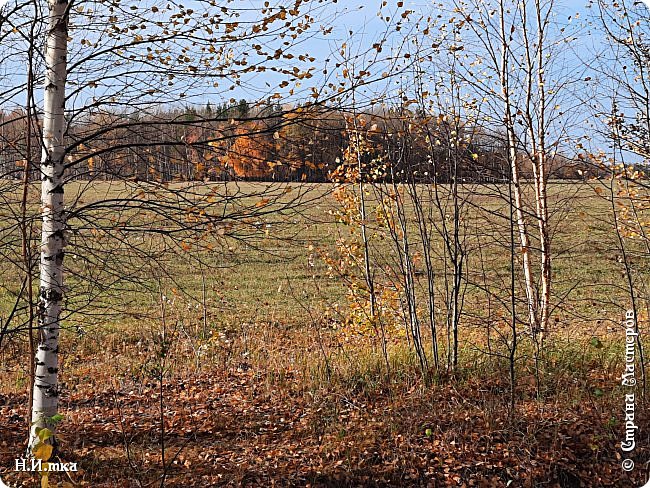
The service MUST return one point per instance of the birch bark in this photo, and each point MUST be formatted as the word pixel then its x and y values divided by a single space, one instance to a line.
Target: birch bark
pixel 46 394
pixel 536 122
pixel 524 237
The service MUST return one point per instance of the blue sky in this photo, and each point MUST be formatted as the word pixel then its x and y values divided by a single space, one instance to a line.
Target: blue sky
pixel 355 23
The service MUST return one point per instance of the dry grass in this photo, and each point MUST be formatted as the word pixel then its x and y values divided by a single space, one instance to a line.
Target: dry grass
pixel 265 345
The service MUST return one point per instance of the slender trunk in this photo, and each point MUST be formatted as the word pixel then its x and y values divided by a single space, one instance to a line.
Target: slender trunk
pixel 26 229
pixel 630 286
pixel 524 239
pixel 204 303
pixel 408 273
pixel 428 263
pixel 160 377
pixel 409 287
pixel 541 200
pixel 536 128
pixel 457 255
pixel 628 275
pixel 46 394
pixel 366 248
pixel 513 305
pixel 446 258
pixel 360 149
pixel 535 110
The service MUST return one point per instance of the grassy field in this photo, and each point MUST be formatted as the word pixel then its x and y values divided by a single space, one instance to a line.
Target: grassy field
pixel 231 360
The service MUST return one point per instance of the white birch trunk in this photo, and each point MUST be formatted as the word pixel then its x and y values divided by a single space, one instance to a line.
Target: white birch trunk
pixel 542 197
pixel 537 133
pixel 524 238
pixel 46 393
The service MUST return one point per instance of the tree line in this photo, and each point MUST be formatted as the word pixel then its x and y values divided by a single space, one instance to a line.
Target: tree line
pixel 262 141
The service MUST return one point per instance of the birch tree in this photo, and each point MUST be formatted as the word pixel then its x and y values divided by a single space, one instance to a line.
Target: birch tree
pixel 46 394
pixel 125 61
pixel 521 74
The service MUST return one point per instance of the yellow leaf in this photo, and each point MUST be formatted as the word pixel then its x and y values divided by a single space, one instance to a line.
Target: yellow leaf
pixel 44 434
pixel 43 451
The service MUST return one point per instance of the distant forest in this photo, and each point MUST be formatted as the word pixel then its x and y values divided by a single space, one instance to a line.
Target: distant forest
pixel 270 142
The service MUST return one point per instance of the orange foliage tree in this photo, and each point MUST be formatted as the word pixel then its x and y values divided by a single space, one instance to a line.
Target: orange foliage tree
pixel 250 153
